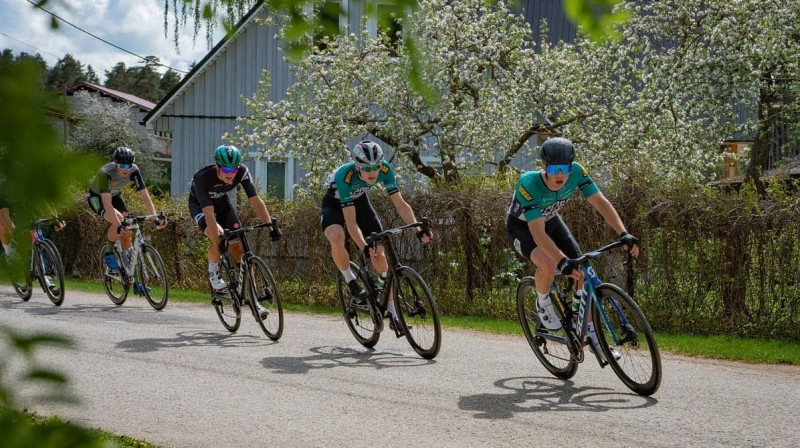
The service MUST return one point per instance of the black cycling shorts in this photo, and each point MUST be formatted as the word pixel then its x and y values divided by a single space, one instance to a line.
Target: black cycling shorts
pixel 520 237
pixel 96 204
pixel 366 217
pixel 224 213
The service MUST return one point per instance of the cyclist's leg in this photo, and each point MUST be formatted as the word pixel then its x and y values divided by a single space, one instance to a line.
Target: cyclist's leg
pixel 368 221
pixel 228 219
pixel 6 228
pixel 333 226
pixel 521 239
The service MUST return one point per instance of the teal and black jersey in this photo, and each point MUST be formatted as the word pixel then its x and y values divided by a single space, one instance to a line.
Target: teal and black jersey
pixel 345 185
pixel 107 180
pixel 532 199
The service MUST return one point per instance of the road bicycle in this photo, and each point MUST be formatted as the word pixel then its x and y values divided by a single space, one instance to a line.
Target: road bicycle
pixel 46 267
pixel 418 316
pixel 248 282
pixel 624 335
pixel 140 266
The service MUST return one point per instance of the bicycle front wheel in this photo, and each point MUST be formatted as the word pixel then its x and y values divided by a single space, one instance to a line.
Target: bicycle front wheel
pixel 114 281
pixel 153 277
pixel 627 340
pixel 225 301
pixel 360 318
pixel 417 312
pixel 265 299
pixel 24 286
pixel 52 271
pixel 549 346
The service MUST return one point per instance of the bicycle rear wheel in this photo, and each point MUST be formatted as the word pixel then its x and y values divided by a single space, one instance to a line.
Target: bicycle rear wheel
pixel 49 265
pixel 417 312
pixel 360 319
pixel 225 301
pixel 264 292
pixel 153 277
pixel 114 281
pixel 621 325
pixel 554 355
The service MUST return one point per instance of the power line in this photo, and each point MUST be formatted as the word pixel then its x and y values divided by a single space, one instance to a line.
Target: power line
pixel 29 45
pixel 101 39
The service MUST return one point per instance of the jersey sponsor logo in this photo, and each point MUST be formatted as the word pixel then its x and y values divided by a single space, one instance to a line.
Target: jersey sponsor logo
pixel 525 195
pixel 358 192
pixel 552 209
pixel 384 168
pixel 585 171
pixel 348 178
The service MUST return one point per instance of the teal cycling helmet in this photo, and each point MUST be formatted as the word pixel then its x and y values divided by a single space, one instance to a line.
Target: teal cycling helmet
pixel 227 156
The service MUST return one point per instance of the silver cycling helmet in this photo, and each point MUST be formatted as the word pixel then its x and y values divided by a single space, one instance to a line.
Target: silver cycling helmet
pixel 367 153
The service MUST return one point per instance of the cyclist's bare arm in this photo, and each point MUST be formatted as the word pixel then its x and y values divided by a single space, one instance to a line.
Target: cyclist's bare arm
pixel 609 213
pixel 407 213
pixel 260 208
pixel 352 226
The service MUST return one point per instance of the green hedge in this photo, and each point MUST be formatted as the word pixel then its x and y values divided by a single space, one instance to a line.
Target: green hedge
pixel 712 262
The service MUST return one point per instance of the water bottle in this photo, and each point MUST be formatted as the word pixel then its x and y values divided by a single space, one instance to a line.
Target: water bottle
pixel 577 296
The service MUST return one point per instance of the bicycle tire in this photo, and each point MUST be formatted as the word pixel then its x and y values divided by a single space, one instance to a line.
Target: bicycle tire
pixel 24 290
pixel 361 320
pixel 109 278
pixel 554 356
pixel 263 290
pixel 226 302
pixel 153 277
pixel 417 312
pixel 50 265
pixel 633 364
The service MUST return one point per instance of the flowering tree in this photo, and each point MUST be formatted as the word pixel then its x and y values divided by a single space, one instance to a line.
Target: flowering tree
pixel 488 88
pixel 103 125
pixel 683 78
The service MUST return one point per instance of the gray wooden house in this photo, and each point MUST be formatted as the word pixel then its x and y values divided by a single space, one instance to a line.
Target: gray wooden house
pixel 205 104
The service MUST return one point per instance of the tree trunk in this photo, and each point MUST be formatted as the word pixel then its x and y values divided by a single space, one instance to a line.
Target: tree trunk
pixel 759 155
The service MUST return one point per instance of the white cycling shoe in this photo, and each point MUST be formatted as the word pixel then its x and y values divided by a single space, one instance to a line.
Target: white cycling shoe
pixel 216 282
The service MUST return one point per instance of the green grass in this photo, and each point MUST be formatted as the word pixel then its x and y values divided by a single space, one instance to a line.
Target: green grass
pixel 719 347
pixel 25 429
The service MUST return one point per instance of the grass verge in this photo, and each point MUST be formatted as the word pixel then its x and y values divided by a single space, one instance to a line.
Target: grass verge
pixel 719 347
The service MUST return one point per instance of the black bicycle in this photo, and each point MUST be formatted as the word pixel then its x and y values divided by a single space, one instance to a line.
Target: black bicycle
pixel 248 282
pixel 46 266
pixel 140 266
pixel 624 335
pixel 416 310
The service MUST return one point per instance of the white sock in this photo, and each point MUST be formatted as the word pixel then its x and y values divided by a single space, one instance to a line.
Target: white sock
pixel 9 249
pixel 213 268
pixel 392 310
pixel 542 300
pixel 591 334
pixel 348 275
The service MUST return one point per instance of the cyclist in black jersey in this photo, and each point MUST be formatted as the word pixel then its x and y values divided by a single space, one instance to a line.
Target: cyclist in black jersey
pixel 105 199
pixel 209 203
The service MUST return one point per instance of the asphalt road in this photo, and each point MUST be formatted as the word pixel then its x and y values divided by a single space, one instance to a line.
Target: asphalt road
pixel 179 379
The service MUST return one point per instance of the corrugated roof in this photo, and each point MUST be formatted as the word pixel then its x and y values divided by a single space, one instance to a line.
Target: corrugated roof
pixel 122 96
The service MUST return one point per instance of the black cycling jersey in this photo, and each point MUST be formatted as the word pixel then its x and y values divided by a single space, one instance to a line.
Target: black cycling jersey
pixel 207 188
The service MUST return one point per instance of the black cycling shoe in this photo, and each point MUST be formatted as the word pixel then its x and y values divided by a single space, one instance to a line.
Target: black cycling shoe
pixel 357 293
pixel 396 327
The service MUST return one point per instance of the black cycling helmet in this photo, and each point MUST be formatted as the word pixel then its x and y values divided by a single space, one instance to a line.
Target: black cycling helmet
pixel 123 155
pixel 557 151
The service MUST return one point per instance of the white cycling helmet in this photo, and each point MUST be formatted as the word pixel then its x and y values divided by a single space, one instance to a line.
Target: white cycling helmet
pixel 367 153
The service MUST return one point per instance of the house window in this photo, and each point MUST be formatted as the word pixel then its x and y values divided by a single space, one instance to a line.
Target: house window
pixel 330 16
pixel 389 26
pixel 276 179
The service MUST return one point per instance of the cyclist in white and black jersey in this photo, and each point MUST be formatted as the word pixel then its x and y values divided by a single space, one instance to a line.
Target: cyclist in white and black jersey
pixel 105 199
pixel 209 203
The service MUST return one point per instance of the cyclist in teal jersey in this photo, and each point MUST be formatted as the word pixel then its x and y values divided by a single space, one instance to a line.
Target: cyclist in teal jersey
pixel 537 232
pixel 346 205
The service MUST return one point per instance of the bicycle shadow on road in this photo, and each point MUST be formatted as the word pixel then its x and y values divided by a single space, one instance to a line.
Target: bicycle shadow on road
pixel 532 394
pixel 328 357
pixel 193 339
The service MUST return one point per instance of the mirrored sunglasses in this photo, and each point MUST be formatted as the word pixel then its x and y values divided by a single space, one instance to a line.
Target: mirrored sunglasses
pixel 370 168
pixel 555 169
pixel 124 166
pixel 231 170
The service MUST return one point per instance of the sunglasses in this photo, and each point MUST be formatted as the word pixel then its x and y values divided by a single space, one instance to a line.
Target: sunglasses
pixel 124 166
pixel 555 169
pixel 370 168
pixel 226 170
